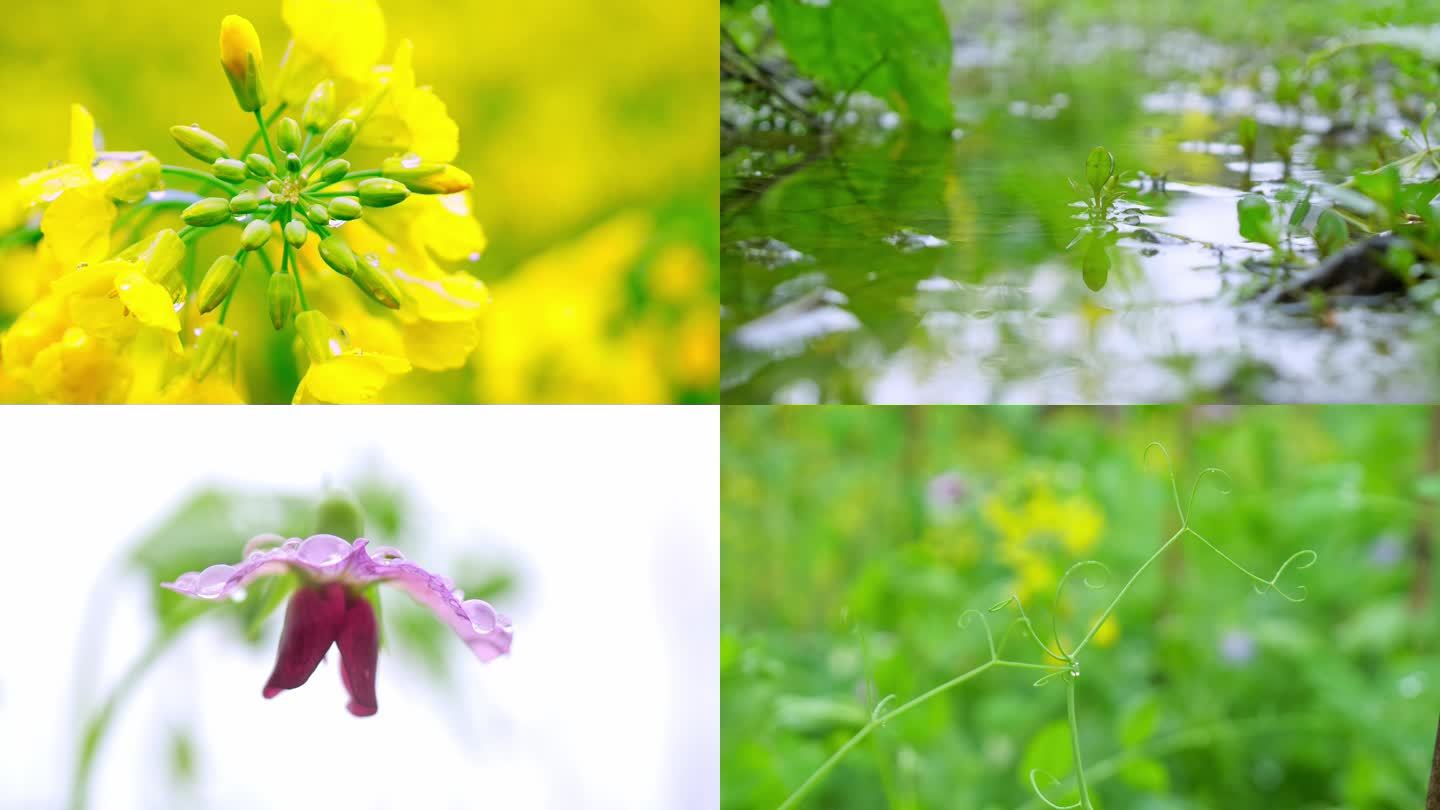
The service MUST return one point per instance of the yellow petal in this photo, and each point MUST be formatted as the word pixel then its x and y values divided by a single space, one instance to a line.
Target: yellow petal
pixel 446 297
pixel 440 346
pixel 347 35
pixel 82 136
pixel 77 225
pixel 344 379
pixel 446 226
pixel 47 184
pixel 150 302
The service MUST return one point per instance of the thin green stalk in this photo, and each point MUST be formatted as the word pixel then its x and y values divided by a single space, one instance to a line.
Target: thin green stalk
pixel 274 116
pixel 350 176
pixel 265 134
pixel 199 176
pixel 99 723
pixel 1075 743
pixel 882 719
pixel 295 270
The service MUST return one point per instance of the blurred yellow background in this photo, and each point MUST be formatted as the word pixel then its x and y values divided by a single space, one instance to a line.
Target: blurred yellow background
pixel 589 128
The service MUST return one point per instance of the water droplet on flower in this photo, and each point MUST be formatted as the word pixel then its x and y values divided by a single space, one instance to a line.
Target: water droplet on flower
pixel 323 549
pixel 410 161
pixel 386 554
pixel 212 580
pixel 186 581
pixel 482 617
pixel 474 257
pixel 290 545
pixel 502 621
pixel 262 542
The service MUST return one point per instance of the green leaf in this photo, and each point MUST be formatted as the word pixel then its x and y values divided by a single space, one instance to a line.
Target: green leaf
pixel 1382 186
pixel 899 50
pixel 1257 220
pixel 1139 722
pixel 1099 168
pixel 1331 232
pixel 1145 774
pixel 803 714
pixel 1048 751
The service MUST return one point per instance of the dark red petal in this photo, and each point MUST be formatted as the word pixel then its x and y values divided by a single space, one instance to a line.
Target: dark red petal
pixel 359 643
pixel 312 620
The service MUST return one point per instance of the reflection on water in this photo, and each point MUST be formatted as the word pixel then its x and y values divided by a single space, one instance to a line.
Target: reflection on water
pixel 900 267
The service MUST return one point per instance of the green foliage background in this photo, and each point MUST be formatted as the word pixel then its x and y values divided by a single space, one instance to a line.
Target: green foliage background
pixel 836 564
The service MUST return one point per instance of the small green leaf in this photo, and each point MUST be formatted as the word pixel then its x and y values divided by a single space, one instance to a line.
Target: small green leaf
pixel 1146 774
pixel 1331 232
pixel 1139 722
pixel 1048 751
pixel 1257 220
pixel 1095 266
pixel 1249 132
pixel 1099 168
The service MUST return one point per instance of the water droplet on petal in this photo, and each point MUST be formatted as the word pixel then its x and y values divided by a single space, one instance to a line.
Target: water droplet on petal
pixel 474 257
pixel 502 621
pixel 212 580
pixel 482 616
pixel 410 161
pixel 447 582
pixel 386 554
pixel 322 549
pixel 290 545
pixel 186 581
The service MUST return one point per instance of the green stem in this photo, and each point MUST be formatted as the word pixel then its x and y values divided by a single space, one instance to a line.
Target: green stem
pixel 1075 743
pixel 199 176
pixel 1100 622
pixel 829 764
pixel 99 722
pixel 299 286
pixel 274 116
pixel 350 176
pixel 265 134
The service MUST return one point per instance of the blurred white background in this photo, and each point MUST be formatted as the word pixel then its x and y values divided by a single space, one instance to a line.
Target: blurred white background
pixel 609 698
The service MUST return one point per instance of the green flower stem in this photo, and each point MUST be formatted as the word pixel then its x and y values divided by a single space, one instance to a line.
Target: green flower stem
pixel 1075 743
pixel 274 116
pixel 199 176
pixel 265 134
pixel 193 231
pixel 882 719
pixel 326 194
pixel 350 176
pixel 99 722
pixel 295 270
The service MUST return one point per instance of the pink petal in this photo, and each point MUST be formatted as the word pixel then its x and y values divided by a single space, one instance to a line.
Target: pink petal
pixel 312 620
pixel 327 558
pixel 359 643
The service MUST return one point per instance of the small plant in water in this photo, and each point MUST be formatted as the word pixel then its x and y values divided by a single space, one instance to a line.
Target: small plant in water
pixel 1105 208
pixel 1061 664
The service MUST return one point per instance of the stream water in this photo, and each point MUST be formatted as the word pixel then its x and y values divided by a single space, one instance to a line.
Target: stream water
pixel 890 266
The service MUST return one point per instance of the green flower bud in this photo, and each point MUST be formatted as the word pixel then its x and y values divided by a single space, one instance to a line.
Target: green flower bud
pixel 255 235
pixel 346 208
pixel 229 170
pixel 426 178
pixel 280 295
pixel 244 203
pixel 317 215
pixel 133 179
pixel 332 171
pixel 209 211
pixel 200 144
pixel 340 514
pixel 338 138
pixel 287 134
pixel 317 335
pixel 260 166
pixel 338 254
pixel 241 58
pixel 160 253
pixel 273 186
pixel 219 280
pixel 320 107
pixel 292 163
pixel 213 343
pixel 295 233
pixel 377 284
pixel 382 192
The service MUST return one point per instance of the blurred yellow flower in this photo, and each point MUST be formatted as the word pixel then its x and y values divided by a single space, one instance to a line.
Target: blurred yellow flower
pixel 405 118
pixel 332 38
pixel 1031 530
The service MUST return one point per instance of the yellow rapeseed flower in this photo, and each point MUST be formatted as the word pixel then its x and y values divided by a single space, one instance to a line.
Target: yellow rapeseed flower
pixel 339 39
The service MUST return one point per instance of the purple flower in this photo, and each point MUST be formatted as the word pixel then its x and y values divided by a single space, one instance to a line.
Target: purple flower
pixel 1237 647
pixel 329 608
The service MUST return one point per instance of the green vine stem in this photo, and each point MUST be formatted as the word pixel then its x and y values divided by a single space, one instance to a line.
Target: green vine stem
pixel 1069 668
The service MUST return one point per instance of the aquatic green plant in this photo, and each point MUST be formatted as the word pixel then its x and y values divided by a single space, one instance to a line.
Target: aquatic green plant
pixel 1067 669
pixel 1105 207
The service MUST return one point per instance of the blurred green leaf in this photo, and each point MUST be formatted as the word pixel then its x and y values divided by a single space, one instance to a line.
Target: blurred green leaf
pixel 1145 774
pixel 803 714
pixel 1139 722
pixel 1048 751
pixel 898 50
